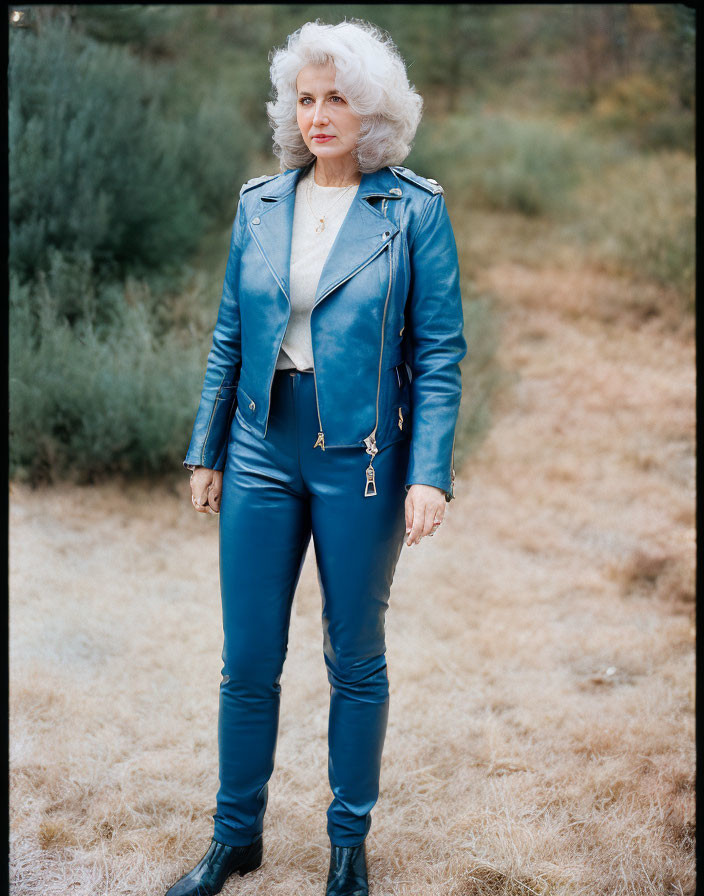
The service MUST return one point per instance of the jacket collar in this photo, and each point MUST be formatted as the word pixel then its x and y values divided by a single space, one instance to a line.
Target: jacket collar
pixel 378 183
pixel 363 233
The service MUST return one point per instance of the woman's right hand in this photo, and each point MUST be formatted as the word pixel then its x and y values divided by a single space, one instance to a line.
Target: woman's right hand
pixel 206 489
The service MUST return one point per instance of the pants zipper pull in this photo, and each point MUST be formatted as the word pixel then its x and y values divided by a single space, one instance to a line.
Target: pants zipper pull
pixel 370 487
pixel 321 441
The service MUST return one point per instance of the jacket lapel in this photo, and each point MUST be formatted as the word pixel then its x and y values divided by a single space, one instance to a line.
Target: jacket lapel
pixel 362 235
pixel 272 233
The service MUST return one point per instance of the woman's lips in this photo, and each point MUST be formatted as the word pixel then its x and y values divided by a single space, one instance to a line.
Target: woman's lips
pixel 323 138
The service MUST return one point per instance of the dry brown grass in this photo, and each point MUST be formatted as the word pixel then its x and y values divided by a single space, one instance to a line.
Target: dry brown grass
pixel 541 734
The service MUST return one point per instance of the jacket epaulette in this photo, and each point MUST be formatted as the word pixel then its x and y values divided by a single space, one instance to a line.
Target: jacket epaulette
pixel 432 186
pixel 255 181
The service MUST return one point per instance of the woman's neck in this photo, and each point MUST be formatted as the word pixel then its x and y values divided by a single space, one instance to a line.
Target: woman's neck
pixel 336 172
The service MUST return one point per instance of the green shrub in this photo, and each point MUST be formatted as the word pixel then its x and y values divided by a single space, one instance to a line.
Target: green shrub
pixel 112 393
pixel 482 375
pixel 639 218
pixel 500 163
pixel 113 178
pixel 215 154
pixel 97 170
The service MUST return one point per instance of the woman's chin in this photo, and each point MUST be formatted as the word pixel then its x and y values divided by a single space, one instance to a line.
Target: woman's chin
pixel 328 151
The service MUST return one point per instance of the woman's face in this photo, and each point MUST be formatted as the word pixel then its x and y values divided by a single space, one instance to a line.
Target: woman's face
pixel 329 127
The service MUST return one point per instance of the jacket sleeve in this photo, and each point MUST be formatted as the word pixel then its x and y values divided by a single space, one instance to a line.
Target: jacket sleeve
pixel 208 446
pixel 435 321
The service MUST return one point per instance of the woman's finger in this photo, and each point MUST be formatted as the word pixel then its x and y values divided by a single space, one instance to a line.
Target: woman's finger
pixel 196 505
pixel 433 513
pixel 214 498
pixel 426 520
pixel 409 517
pixel 200 497
pixel 418 521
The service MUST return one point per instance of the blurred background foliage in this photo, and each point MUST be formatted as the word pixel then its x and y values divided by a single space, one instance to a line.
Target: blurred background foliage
pixel 131 129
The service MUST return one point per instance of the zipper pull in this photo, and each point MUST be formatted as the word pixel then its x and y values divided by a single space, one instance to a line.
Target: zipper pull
pixel 321 441
pixel 370 442
pixel 400 419
pixel 370 488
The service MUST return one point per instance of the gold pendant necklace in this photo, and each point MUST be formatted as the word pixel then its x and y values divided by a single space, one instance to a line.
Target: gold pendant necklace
pixel 320 226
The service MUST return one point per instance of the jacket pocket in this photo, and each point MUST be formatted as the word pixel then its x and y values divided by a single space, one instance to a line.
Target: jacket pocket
pixel 397 419
pixel 246 404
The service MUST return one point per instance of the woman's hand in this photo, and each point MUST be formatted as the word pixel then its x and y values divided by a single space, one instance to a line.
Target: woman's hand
pixel 425 508
pixel 206 488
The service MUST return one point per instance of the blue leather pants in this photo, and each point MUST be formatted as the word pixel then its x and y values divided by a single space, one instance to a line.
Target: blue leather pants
pixel 276 492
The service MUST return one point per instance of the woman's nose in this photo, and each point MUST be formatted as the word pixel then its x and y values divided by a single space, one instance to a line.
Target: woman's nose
pixel 319 116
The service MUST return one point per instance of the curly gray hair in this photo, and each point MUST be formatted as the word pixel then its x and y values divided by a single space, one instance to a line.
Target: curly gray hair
pixel 370 74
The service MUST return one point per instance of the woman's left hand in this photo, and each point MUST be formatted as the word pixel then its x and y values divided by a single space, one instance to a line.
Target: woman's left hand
pixel 425 508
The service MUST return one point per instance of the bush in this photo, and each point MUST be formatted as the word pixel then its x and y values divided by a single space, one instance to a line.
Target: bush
pixel 111 186
pixel 96 168
pixel 215 155
pixel 639 218
pixel 482 375
pixel 641 106
pixel 500 163
pixel 111 393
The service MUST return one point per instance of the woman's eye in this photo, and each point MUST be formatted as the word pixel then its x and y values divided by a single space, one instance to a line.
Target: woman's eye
pixel 306 100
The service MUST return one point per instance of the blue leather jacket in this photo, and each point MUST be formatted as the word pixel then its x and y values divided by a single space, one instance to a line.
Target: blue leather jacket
pixel 386 324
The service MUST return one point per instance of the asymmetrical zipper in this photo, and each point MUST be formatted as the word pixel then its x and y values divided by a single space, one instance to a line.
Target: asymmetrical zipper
pixel 370 441
pixel 320 441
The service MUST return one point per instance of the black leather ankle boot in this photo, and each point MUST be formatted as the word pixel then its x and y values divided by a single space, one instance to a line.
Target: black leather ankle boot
pixel 219 862
pixel 348 871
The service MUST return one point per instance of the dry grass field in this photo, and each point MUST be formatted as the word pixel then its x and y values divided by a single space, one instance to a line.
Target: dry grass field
pixel 540 647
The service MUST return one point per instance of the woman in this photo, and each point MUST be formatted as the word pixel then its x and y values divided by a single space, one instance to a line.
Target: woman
pixel 329 408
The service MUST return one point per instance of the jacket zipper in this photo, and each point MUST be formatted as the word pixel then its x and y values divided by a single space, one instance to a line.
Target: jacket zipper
pixel 320 441
pixel 210 421
pixel 370 441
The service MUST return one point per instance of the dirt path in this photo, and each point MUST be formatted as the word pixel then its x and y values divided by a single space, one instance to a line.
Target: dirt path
pixel 540 652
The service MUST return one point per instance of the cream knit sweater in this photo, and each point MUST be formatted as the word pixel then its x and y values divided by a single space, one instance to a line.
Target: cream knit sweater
pixel 309 250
